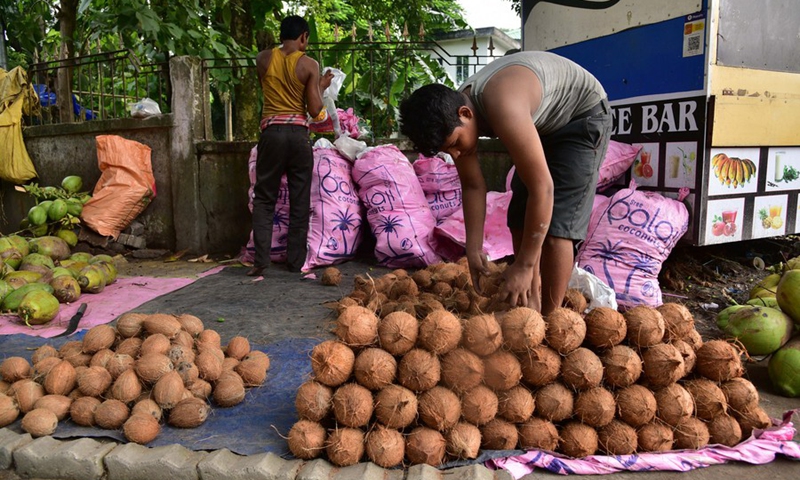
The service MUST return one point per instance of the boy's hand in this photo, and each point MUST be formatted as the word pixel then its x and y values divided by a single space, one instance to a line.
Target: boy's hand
pixel 517 288
pixel 478 266
pixel 325 80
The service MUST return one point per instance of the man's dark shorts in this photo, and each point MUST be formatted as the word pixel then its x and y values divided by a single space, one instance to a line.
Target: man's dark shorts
pixel 574 154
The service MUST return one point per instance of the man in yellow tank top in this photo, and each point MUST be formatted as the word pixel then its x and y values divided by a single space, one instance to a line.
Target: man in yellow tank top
pixel 291 84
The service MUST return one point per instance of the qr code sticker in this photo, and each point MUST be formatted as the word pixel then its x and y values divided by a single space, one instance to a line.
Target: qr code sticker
pixel 692 45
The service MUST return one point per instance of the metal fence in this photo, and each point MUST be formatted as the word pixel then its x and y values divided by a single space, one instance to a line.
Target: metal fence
pixel 103 85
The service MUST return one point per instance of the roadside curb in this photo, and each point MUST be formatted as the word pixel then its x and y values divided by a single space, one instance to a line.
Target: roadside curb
pixel 48 458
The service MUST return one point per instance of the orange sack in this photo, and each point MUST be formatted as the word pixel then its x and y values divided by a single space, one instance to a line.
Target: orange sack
pixel 126 186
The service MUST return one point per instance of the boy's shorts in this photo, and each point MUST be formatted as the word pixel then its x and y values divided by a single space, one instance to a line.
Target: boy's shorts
pixel 574 154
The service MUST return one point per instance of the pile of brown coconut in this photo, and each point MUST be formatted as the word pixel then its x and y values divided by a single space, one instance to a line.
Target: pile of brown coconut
pixel 424 370
pixel 145 370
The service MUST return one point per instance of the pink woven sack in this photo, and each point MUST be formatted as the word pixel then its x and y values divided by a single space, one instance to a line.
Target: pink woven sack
pixel 618 159
pixel 442 187
pixel 397 210
pixel 634 233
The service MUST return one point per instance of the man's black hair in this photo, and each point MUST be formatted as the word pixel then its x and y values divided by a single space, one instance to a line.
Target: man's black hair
pixel 429 116
pixel 292 27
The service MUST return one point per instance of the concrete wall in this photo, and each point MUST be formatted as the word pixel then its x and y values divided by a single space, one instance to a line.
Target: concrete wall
pixel 201 201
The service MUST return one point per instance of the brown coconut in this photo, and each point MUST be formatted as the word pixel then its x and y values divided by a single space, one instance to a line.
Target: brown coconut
pixel 111 414
pixel 141 428
pixel 101 358
pixel 655 437
pixel 168 390
pixel 345 446
pixel 740 394
pixel 39 422
pixel 184 339
pixel 482 334
pixel 15 368
pixel 718 360
pixel 577 440
pixel 130 324
pixel 674 403
pixel 690 434
pixel 229 363
pixel 375 368
pixel 537 433
pixel 688 354
pixel 58 404
pixel 130 346
pixel 479 405
pixel 189 413
pixel 259 356
pixel 582 369
pixel 209 365
pixel 709 401
pixel 463 441
pixel 396 406
pixel 645 326
pixel 332 362
pixel 404 286
pixel 4 387
pixel 554 402
pixel 694 339
pixel 119 363
pixel 200 389
pixel 98 338
pixel 605 327
pixel 188 372
pixel 461 370
pixel 190 324
pixel 147 406
pixel 228 392
pixel 252 372
pixel 724 430
pixel 662 365
pixel 152 367
pixel 622 366
pixel 68 349
pixel 540 365
pixel 127 387
pixel 636 405
pixel 516 404
pixel 523 329
pixel 498 434
pixel 155 343
pixel 45 351
pixel 352 405
pixel 94 381
pixel 161 323
pixel 502 370
pixel 209 337
pixel 331 277
pixel 9 410
pixel 678 320
pixel 749 420
pixel 617 438
pixel 566 330
pixel 427 306
pixel 575 300
pixel 179 354
pixel 306 439
pixel 26 392
pixel 357 326
pixel 82 410
pixel 419 370
pixel 596 407
pixel 61 379
pixel 385 447
pixel 398 332
pixel 425 446
pixel 313 401
pixel 439 408
pixel 422 278
pixel 439 332
pixel 237 348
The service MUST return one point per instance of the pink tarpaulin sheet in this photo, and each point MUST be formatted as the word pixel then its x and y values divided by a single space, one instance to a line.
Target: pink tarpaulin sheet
pixel 121 296
pixel 762 447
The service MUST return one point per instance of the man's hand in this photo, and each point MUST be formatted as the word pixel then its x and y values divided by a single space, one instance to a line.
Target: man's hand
pixel 478 266
pixel 325 80
pixel 517 287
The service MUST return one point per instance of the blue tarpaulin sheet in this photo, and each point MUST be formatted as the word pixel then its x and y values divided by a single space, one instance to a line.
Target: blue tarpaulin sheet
pixel 259 424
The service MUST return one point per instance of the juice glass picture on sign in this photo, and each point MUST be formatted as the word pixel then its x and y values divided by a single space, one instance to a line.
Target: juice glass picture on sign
pixel 681 159
pixel 783 169
pixel 768 218
pixel 645 167
pixel 724 222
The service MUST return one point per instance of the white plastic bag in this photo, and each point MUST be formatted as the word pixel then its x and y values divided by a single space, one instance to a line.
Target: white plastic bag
pixel 598 293
pixel 349 147
pixel 144 108
pixel 329 117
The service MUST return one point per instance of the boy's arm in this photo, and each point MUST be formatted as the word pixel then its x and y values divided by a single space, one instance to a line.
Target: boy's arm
pixel 473 190
pixel 308 73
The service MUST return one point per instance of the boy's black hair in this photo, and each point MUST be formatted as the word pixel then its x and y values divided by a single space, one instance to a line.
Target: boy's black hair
pixel 429 116
pixel 292 27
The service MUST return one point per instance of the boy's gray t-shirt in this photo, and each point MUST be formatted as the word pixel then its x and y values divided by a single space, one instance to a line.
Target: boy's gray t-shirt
pixel 567 88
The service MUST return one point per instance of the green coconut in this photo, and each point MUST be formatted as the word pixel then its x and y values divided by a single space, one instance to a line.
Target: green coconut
pixel 784 369
pixel 761 330
pixel 788 294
